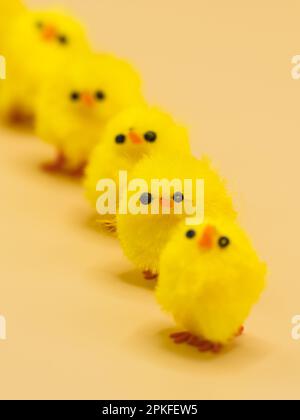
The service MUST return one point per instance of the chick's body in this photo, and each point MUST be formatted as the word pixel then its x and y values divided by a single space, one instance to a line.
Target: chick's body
pixel 75 106
pixel 130 136
pixel 144 236
pixel 36 46
pixel 210 278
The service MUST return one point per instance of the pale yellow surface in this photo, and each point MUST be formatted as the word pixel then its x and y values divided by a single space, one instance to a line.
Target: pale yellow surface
pixel 80 322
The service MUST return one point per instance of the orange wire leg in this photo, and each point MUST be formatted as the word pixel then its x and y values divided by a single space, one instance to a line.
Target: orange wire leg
pixel 57 165
pixel 148 275
pixel 18 117
pixel 204 346
pixel 77 172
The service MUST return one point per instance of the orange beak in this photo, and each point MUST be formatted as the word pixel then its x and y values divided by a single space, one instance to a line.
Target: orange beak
pixel 166 203
pixel 49 33
pixel 87 99
pixel 207 239
pixel 135 138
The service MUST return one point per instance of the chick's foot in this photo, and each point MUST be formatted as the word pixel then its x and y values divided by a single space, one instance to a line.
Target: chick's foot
pixel 17 117
pixel 149 276
pixel 240 332
pixel 77 172
pixel 110 226
pixel 204 346
pixel 55 166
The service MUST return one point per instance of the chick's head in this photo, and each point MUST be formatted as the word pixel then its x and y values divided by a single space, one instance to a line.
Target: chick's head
pixel 210 277
pixel 96 86
pixel 39 42
pixel 42 38
pixel 167 195
pixel 139 131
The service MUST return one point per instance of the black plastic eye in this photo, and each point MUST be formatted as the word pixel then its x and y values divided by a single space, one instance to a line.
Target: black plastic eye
pixel 120 139
pixel 75 96
pixel 62 39
pixel 178 197
pixel 150 136
pixel 100 96
pixel 224 242
pixel 146 199
pixel 190 234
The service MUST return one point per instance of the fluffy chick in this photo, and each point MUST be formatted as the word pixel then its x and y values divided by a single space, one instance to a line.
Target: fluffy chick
pixel 210 278
pixel 131 135
pixel 74 108
pixel 36 44
pixel 144 236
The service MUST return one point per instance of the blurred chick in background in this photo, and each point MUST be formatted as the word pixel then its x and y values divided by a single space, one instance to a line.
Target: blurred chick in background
pixel 144 236
pixel 74 108
pixel 9 10
pixel 210 278
pixel 131 135
pixel 35 45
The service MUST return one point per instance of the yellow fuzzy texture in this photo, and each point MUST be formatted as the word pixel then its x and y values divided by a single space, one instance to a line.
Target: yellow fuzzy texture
pixel 143 237
pixel 109 157
pixel 210 292
pixel 31 59
pixel 71 126
pixel 9 10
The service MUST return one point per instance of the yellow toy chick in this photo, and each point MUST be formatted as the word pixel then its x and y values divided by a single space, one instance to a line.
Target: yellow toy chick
pixel 35 45
pixel 74 108
pixel 210 278
pixel 144 236
pixel 130 136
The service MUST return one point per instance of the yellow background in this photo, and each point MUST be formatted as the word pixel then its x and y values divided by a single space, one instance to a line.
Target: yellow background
pixel 81 323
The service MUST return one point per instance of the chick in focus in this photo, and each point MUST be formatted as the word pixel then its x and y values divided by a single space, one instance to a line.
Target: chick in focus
pixel 130 136
pixel 36 45
pixel 210 278
pixel 74 107
pixel 144 236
